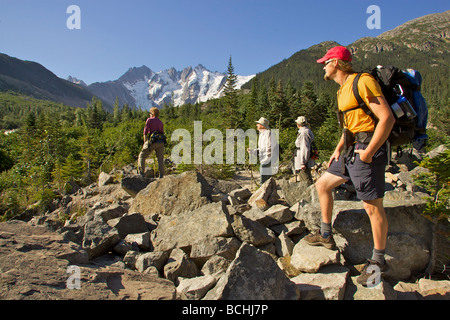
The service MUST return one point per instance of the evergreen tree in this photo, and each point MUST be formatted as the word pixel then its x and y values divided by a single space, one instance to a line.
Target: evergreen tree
pixel 116 112
pixel 94 114
pixel 72 169
pixel 279 112
pixel 263 102
pixel 30 123
pixel 293 101
pixel 126 113
pixel 232 118
pixel 252 106
pixel 309 105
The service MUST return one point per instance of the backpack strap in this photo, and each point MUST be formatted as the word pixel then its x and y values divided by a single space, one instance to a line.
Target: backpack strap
pixel 361 103
pixel 369 112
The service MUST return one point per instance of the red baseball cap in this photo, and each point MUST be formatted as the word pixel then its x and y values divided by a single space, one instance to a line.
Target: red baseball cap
pixel 341 53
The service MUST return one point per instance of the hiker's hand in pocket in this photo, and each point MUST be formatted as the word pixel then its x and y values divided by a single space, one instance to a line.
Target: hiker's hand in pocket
pixel 364 156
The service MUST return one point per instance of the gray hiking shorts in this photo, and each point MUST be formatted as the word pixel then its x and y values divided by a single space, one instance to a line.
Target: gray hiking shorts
pixel 368 178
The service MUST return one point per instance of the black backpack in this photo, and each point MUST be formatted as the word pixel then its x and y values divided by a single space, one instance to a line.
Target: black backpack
pixel 402 92
pixel 158 137
pixel 314 151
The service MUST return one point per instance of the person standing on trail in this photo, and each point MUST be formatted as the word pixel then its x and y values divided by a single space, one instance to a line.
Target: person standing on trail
pixel 153 125
pixel 264 149
pixel 360 155
pixel 302 156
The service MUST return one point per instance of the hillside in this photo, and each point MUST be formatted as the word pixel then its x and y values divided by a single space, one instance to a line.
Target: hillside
pixel 32 79
pixel 422 44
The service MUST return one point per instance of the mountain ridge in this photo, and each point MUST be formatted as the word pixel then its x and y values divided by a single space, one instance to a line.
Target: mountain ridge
pixel 422 43
pixel 142 87
pixel 33 79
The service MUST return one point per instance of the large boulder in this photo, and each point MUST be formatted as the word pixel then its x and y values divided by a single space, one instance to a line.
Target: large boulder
pixel 275 215
pixel 173 195
pixel 328 284
pixel 180 265
pixel 253 232
pixel 294 192
pixel 253 275
pixel 261 197
pixel 306 258
pixel 99 238
pixel 129 224
pixel 183 230
pixel 205 248
pixel 133 184
pixel 409 235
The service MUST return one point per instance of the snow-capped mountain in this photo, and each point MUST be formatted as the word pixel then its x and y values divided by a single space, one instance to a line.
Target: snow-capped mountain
pixel 145 88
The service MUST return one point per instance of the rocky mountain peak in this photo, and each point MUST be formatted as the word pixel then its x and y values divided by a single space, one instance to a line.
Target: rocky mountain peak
pixel 76 81
pixel 424 33
pixel 136 74
pixel 143 87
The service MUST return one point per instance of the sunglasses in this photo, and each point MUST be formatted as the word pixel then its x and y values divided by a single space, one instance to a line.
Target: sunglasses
pixel 328 61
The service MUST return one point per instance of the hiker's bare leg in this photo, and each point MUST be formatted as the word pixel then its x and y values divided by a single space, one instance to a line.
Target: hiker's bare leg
pixel 378 221
pixel 324 187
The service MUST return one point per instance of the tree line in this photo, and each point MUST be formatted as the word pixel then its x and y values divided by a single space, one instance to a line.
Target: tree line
pixel 54 144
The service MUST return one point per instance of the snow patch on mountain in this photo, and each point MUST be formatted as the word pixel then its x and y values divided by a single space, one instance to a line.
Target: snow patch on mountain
pixel 192 85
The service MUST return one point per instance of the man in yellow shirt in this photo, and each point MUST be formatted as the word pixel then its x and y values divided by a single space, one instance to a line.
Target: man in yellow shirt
pixel 360 155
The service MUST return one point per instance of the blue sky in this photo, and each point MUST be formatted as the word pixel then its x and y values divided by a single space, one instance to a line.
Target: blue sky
pixel 117 35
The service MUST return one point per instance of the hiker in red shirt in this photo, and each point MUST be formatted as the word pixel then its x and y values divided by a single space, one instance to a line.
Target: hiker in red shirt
pixel 152 125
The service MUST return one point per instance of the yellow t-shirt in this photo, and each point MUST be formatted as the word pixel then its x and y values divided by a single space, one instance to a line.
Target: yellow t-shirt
pixel 357 120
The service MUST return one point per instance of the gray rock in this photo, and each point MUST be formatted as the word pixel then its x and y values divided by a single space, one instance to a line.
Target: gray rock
pixel 205 248
pixel 328 284
pixel 434 290
pixel 104 179
pixel 122 247
pixel 130 259
pixel 251 231
pixel 284 245
pixel 263 193
pixel 294 192
pixel 253 275
pixel 306 258
pixel 141 240
pixel 173 195
pixel 180 231
pixel 99 238
pixel 276 214
pixel 179 265
pixel 156 259
pixel 112 212
pixel 134 184
pixel 291 228
pixel 195 288
pixel 241 194
pixel 129 224
pixel 405 255
pixel 409 234
pixel 215 266
pixel 356 291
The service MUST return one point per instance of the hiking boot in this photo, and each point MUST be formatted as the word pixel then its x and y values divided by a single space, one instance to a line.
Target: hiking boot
pixel 372 273
pixel 318 240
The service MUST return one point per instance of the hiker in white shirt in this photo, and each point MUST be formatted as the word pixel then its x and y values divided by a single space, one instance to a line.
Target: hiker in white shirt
pixel 302 156
pixel 264 149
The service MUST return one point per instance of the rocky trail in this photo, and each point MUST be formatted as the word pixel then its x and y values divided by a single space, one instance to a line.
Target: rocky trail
pixel 191 237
